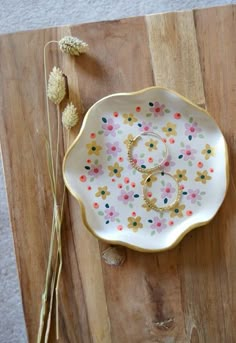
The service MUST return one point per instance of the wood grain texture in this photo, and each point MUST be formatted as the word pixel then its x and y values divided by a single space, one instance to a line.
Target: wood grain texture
pixel 184 295
pixel 174 51
pixel 85 246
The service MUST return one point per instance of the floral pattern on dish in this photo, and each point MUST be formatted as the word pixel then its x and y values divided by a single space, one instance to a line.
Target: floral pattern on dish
pixel 115 190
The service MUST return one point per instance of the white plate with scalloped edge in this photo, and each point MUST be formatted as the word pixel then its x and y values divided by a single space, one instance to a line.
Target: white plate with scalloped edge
pixel 98 173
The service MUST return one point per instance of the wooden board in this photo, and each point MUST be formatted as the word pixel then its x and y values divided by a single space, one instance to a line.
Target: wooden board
pixel 185 295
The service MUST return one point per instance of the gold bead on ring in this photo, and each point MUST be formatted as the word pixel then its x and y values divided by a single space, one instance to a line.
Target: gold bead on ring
pixel 161 208
pixel 130 152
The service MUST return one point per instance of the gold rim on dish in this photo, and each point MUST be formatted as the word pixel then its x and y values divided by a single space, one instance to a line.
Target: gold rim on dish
pixel 83 212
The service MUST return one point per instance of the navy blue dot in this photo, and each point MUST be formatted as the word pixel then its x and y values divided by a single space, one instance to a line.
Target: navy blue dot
pixel 185 193
pixel 150 104
pixel 139 124
pixel 107 205
pixel 107 222
pixel 87 167
pixel 190 137
pixel 150 221
pixel 143 166
pixel 165 201
pixel 104 120
pixel 136 195
pixel 180 156
pixel 162 173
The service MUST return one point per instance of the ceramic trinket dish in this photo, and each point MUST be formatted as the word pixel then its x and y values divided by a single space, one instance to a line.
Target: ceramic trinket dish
pixel 180 136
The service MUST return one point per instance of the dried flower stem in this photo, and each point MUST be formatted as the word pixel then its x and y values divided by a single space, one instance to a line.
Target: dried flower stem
pixel 47 102
pixel 56 223
pixel 52 181
pixel 56 90
pixel 51 302
pixel 57 149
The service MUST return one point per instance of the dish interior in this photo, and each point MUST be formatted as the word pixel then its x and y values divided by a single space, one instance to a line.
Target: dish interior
pixel 98 172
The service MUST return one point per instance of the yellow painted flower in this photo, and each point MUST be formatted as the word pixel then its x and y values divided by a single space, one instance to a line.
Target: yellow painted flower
pixel 151 144
pixel 152 202
pixel 177 211
pixel 93 148
pixel 208 152
pixel 115 170
pixel 128 139
pixel 102 192
pixel 170 129
pixel 129 119
pixel 202 176
pixel 180 175
pixel 134 223
pixel 149 181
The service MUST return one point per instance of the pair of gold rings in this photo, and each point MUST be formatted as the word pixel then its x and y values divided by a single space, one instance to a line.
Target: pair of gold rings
pixel 158 169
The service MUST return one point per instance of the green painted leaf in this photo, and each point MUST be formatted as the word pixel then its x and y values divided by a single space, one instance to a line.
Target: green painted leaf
pixel 119 132
pixel 190 119
pixel 96 162
pixel 182 144
pixel 100 132
pixel 109 158
pixel 153 233
pixel 101 213
pixel 117 220
pixel 155 127
pixel 148 114
pixel 190 163
pixel 203 193
pixel 91 179
pixel 130 205
pixel 163 182
pixel 201 135
pixel 127 187
pixel 142 155
pixel 198 202
pixel 167 110
pixel 161 214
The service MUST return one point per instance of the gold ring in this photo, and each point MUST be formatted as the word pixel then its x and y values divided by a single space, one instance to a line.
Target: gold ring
pixel 164 208
pixel 130 150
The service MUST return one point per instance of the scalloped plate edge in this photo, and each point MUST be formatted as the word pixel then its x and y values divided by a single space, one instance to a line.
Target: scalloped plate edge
pixel 82 207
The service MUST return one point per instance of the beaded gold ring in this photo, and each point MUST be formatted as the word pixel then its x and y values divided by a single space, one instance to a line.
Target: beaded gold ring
pixel 130 151
pixel 159 208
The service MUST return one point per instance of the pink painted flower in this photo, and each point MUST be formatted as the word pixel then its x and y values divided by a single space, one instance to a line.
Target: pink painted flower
pixel 125 196
pixel 96 170
pixel 167 164
pixel 113 148
pixel 157 109
pixel 136 160
pixel 167 191
pixel 110 127
pixel 188 153
pixel 192 129
pixel 111 214
pixel 158 224
pixel 194 195
pixel 145 126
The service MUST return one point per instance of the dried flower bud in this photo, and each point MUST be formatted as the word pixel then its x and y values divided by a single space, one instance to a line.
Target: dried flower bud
pixel 114 256
pixel 73 45
pixel 70 116
pixel 56 86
